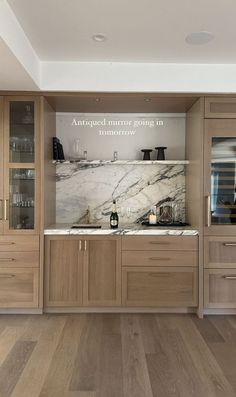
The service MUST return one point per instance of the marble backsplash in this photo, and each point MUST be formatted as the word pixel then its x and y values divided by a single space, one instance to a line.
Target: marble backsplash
pixel 136 188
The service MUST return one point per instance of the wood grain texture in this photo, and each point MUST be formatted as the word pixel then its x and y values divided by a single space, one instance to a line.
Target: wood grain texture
pixel 113 355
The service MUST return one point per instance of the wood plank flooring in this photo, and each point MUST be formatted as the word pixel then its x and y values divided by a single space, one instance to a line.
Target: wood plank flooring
pixel 112 355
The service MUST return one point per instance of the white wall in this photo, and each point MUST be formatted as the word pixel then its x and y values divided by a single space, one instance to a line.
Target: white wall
pixel 148 134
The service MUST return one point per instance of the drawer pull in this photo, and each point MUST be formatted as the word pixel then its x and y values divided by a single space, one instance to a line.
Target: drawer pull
pixel 7 275
pixel 159 242
pixel 230 277
pixel 159 259
pixel 229 244
pixel 6 210
pixel 6 243
pixel 159 274
pixel 7 259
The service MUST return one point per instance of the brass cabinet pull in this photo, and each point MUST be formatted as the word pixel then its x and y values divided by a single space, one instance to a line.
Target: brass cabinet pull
pixel 1 210
pixel 229 244
pixel 7 275
pixel 159 259
pixel 158 274
pixel 80 245
pixel 5 210
pixel 85 245
pixel 230 277
pixel 208 211
pixel 7 259
pixel 7 243
pixel 159 242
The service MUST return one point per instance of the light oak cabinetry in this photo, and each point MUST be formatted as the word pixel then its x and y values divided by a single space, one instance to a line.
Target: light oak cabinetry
pixel 160 271
pixel 19 202
pixel 63 272
pixel 82 271
pixel 220 204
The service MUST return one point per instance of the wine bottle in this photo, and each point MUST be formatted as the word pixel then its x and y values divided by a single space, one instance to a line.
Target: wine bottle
pixel 114 219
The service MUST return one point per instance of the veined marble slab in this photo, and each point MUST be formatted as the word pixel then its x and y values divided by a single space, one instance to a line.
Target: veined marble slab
pixel 136 230
pixel 135 187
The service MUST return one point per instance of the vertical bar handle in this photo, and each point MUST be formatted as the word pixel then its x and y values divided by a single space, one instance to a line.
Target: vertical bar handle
pixel 1 210
pixel 5 210
pixel 208 211
pixel 85 245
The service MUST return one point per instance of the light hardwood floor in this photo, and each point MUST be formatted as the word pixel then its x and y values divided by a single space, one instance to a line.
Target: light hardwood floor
pixel 112 355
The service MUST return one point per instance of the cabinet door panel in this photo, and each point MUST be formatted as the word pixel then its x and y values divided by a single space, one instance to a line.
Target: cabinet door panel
pixel 63 273
pixel 18 287
pixel 152 286
pixel 220 108
pixel 220 252
pixel 1 166
pixel 220 288
pixel 102 272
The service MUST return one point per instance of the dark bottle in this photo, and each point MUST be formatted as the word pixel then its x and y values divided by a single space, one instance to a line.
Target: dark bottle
pixel 114 219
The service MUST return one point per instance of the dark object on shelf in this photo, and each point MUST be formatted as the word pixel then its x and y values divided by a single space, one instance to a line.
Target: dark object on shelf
pixel 85 226
pixel 161 152
pixel 58 153
pixel 172 224
pixel 146 155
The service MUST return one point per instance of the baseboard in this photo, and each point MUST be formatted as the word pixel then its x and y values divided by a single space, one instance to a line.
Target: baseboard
pixel 118 310
pixel 21 311
pixel 219 311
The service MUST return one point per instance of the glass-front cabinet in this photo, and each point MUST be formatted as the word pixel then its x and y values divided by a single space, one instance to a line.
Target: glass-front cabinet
pixel 220 177
pixel 21 165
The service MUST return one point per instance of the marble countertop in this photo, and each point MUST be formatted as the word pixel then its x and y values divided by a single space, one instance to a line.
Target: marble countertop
pixel 128 230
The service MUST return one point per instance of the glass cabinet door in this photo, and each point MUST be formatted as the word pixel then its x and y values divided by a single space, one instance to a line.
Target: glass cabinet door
pixel 223 181
pixel 220 176
pixel 21 132
pixel 21 198
pixel 21 162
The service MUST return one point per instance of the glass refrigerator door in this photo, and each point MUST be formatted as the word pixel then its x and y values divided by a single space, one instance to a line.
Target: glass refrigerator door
pixel 223 181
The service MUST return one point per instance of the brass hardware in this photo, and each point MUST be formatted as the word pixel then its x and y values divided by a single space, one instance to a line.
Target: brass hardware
pixel 159 259
pixel 7 243
pixel 7 275
pixel 80 245
pixel 6 210
pixel 208 211
pixel 7 259
pixel 230 277
pixel 85 245
pixel 158 274
pixel 159 242
pixel 229 244
pixel 1 210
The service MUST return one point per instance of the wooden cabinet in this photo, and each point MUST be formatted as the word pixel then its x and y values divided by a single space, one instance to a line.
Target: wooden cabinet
pixel 19 287
pixel 160 271
pixel 63 272
pixel 20 168
pixel 220 272
pixel 220 288
pixel 102 271
pixel 82 271
pixel 220 252
pixel 159 286
pixel 216 107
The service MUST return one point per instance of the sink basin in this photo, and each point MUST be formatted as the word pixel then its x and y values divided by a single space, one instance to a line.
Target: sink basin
pixel 85 226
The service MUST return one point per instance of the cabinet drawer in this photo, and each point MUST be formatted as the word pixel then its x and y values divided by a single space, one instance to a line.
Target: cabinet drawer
pixel 18 287
pixel 220 252
pixel 19 259
pixel 220 288
pixel 152 286
pixel 162 258
pixel 155 243
pixel 220 107
pixel 19 243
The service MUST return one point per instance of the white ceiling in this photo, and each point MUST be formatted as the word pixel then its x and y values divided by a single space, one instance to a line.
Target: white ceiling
pixel 137 30
pixel 13 76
